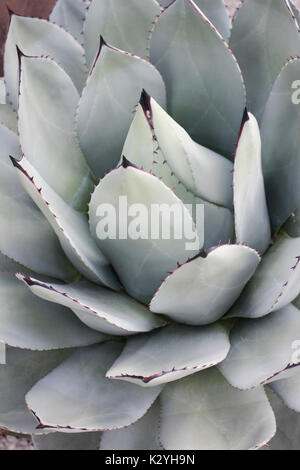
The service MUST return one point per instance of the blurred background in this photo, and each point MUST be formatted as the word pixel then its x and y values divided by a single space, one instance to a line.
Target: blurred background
pixel 42 9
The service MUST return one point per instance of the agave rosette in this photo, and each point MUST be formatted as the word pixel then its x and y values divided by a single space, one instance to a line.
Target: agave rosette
pixel 139 343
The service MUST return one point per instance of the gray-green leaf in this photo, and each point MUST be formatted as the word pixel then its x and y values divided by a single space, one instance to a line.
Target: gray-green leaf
pixel 261 348
pixel 203 412
pixel 35 37
pixel 202 290
pixel 170 354
pixel 61 400
pixel 276 282
pixel 280 144
pixel 252 224
pixel 205 93
pixel 101 309
pixel 107 106
pixel 48 100
pixel 260 50
pixel 141 260
pixel 70 226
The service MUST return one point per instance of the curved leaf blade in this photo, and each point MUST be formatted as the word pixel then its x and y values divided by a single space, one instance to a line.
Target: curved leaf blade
pixel 46 127
pixel 36 37
pixel 202 290
pixel 280 144
pixel 141 260
pixel 261 348
pixel 160 160
pixel 254 44
pixel 142 435
pixel 205 96
pixel 203 412
pixel 170 354
pixel 70 15
pixel 101 309
pixel 275 283
pixel 70 226
pixel 30 323
pixel 106 107
pixel 25 234
pixel 113 20
pixel 252 224
pixel 60 399
pixel 22 370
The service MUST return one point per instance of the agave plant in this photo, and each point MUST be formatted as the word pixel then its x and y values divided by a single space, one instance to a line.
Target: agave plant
pixel 140 343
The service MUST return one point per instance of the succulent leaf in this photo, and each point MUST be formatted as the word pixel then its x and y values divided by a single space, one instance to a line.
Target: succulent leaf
pixel 60 399
pixel 143 263
pixel 191 415
pixel 254 43
pixel 70 226
pixel 51 136
pixel 22 371
pixel 142 435
pixel 107 107
pixel 99 308
pixel 177 174
pixel 70 15
pixel 25 235
pixel 202 290
pixel 170 354
pixel 215 11
pixel 35 37
pixel 280 145
pixel 31 323
pixel 205 94
pixel 261 348
pixel 275 283
pixel 287 423
pixel 113 20
pixel 288 389
pixel 252 224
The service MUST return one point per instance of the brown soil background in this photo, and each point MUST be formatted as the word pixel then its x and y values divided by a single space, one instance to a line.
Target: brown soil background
pixel 42 9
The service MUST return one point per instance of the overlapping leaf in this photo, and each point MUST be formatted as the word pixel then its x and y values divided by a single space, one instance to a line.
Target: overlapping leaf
pixel 140 259
pixel 70 15
pixel 158 145
pixel 202 290
pixel 101 309
pixel 35 37
pixel 205 88
pixel 170 354
pixel 126 25
pixel 203 412
pixel 252 224
pixel 31 323
pixel 107 105
pixel 254 40
pixel 275 283
pixel 261 348
pixel 77 395
pixel 280 144
pixel 70 226
pixel 48 101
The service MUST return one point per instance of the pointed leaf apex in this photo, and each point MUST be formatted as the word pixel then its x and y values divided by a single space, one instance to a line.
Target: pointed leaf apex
pixel 245 117
pixel 145 101
pixel 102 42
pixel 126 163
pixel 14 161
